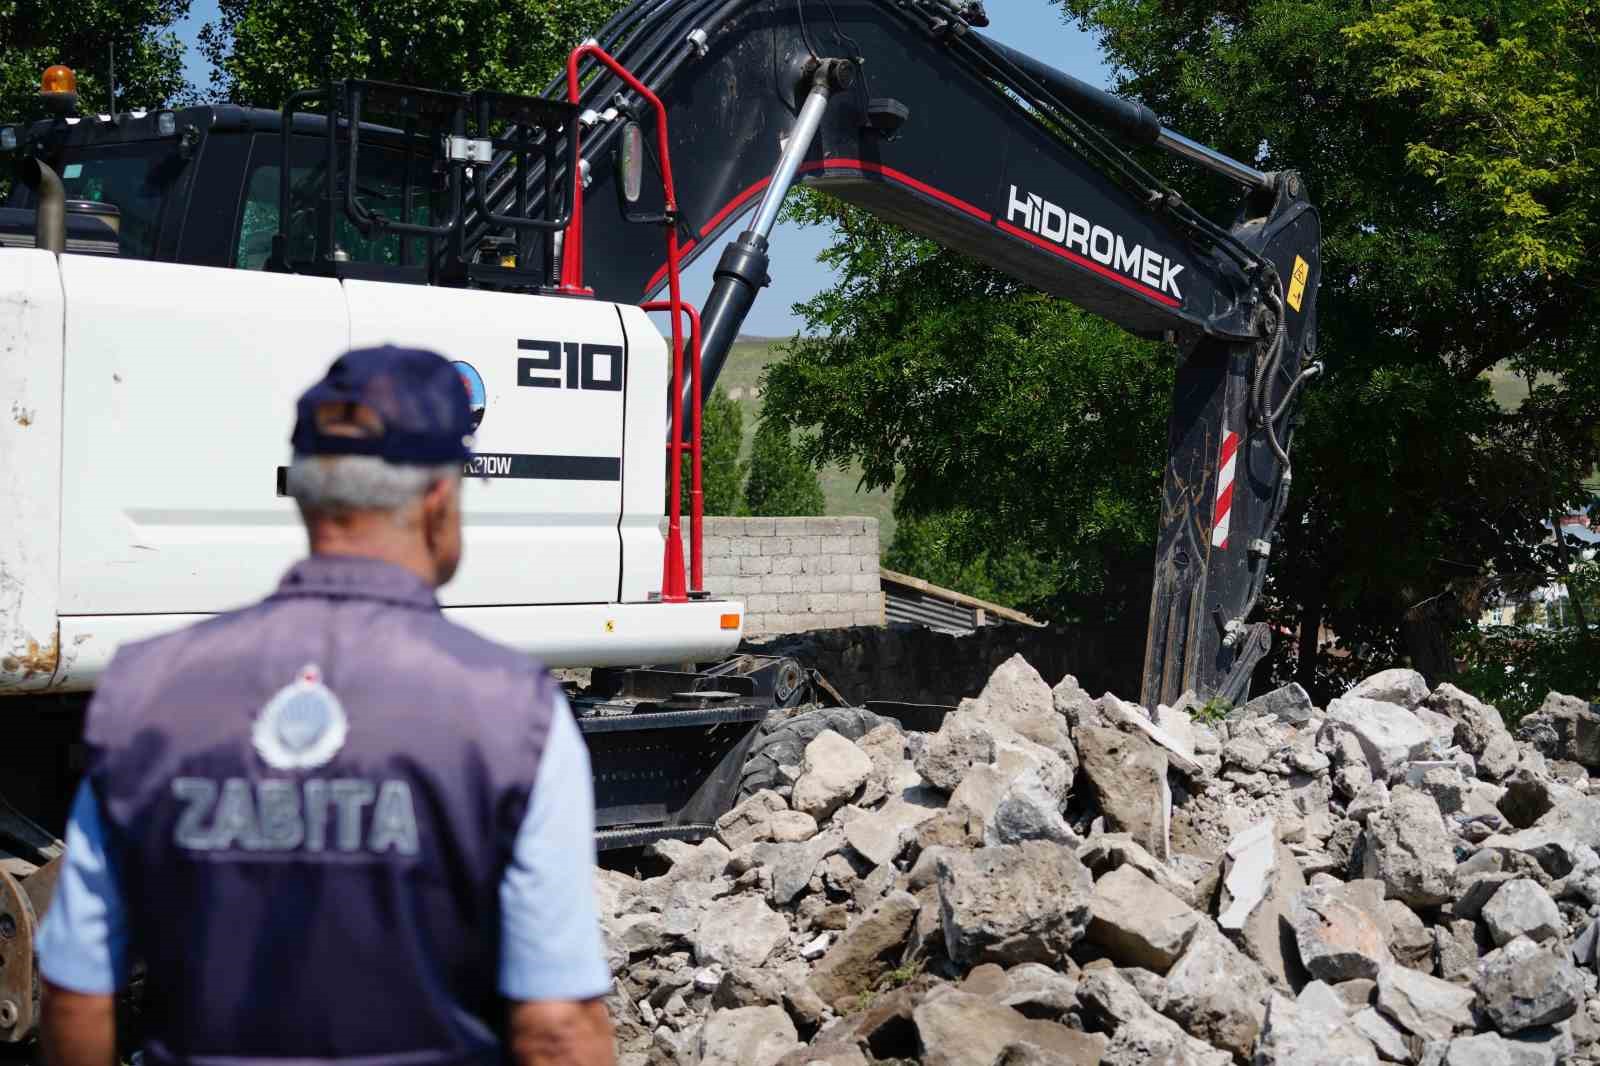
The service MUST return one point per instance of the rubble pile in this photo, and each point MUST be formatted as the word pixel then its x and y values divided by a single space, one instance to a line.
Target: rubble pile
pixel 1055 878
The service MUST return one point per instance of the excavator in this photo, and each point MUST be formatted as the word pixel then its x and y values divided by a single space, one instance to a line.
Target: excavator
pixel 171 278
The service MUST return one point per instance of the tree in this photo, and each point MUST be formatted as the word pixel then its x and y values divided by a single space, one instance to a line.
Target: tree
pixel 721 472
pixel 781 482
pixel 1009 574
pixel 264 49
pixel 82 34
pixel 1452 150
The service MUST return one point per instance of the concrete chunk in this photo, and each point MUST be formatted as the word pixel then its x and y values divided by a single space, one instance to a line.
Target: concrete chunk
pixel 1138 923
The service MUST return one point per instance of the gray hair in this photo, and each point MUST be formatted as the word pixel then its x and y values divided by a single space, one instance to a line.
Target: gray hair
pixel 335 483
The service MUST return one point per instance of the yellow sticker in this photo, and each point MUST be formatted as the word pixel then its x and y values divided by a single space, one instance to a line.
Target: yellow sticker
pixel 611 625
pixel 1297 282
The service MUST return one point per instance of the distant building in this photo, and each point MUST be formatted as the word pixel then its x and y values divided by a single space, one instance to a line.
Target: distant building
pixel 914 601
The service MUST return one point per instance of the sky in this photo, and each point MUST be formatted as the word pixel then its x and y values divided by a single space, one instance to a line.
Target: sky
pixel 1032 26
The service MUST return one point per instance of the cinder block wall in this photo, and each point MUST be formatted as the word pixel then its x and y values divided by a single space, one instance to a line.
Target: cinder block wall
pixel 795 574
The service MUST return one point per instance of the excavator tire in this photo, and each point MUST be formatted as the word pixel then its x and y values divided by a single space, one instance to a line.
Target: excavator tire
pixel 782 738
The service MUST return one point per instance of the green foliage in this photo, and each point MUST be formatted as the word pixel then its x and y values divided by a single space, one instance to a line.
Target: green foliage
pixel 781 482
pixel 1513 667
pixel 1005 417
pixel 1010 574
pixel 1508 93
pixel 1213 710
pixel 721 472
pixel 265 49
pixel 1451 150
pixel 35 34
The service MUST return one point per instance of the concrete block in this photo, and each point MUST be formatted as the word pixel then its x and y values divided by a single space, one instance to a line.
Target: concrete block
pixel 719 565
pixel 803 546
pixel 760 527
pixel 865 583
pixel 714 547
pixel 775 546
pixel 760 625
pixel 763 603
pixel 747 585
pixel 823 601
pixel 791 527
pixel 755 564
pixel 836 583
pixel 786 564
pixel 871 526
pixel 834 545
pixel 742 546
pixel 816 564
pixel 864 545
pixel 847 564
pixel 793 603
pixel 777 583
pixel 853 601
pixel 869 618
pixel 821 526
pixel 808 582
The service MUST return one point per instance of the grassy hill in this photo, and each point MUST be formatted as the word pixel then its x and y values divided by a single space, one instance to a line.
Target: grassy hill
pixel 741 380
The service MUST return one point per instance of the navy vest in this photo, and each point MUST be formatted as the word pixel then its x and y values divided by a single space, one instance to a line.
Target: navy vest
pixel 311 803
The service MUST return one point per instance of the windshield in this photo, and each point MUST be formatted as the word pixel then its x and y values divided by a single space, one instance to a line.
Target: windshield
pixel 135 177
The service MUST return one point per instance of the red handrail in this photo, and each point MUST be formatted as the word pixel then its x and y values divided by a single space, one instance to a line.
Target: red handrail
pixel 672 582
pixel 697 496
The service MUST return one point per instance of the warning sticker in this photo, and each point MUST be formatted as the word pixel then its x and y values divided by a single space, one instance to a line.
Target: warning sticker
pixel 1297 282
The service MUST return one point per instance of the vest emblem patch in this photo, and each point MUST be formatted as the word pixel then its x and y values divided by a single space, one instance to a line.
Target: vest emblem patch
pixel 303 726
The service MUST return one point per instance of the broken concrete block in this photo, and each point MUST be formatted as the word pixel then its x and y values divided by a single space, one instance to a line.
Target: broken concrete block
pixel 1401 686
pixel 1259 883
pixel 1217 994
pixel 867 950
pixel 751 820
pixel 1296 1036
pixel 1480 730
pixel 1131 717
pixel 1407 849
pixel 1288 704
pixel 958 1028
pixel 1424 1006
pixel 1521 908
pixel 1026 902
pixel 831 773
pixel 1138 923
pixel 1337 940
pixel 1521 985
pixel 747 1036
pixel 1389 735
pixel 1129 778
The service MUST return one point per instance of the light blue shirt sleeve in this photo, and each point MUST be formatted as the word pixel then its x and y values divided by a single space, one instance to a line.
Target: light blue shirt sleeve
pixel 83 944
pixel 550 921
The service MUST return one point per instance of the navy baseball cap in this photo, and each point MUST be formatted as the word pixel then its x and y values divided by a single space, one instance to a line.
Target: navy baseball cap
pixel 422 411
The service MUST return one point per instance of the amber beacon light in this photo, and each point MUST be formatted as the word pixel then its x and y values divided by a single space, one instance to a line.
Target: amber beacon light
pixel 58 80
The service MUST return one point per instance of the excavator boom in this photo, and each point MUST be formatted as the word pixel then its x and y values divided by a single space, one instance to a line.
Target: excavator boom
pixel 906 110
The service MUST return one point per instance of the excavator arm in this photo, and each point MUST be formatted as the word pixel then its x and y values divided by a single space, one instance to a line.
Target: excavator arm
pixel 903 108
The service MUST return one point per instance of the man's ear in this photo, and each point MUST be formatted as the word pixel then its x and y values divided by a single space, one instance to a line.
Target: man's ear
pixel 436 508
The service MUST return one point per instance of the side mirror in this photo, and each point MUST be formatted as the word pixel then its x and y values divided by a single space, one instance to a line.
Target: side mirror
pixel 630 162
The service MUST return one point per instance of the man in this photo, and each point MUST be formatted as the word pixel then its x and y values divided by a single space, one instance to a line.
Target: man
pixel 336 826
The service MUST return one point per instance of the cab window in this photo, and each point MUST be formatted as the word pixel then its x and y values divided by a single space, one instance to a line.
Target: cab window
pixel 134 177
pixel 381 186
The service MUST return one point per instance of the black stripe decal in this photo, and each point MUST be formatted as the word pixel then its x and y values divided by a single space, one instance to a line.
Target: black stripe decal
pixel 545 467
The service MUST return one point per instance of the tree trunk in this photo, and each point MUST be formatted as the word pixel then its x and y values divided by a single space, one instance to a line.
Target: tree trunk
pixel 1308 655
pixel 1426 629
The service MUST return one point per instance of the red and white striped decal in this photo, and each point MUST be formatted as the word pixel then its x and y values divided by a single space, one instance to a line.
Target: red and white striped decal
pixel 1227 463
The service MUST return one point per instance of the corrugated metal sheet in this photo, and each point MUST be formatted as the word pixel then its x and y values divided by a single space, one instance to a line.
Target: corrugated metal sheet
pixel 901 604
